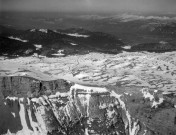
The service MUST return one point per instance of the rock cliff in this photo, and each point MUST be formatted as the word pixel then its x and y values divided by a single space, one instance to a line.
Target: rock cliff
pixel 30 106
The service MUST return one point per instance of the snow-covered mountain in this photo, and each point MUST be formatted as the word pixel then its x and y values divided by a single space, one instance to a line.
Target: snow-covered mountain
pixel 77 81
pixel 130 93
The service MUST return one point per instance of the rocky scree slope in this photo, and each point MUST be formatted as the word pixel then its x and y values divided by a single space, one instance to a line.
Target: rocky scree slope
pixel 30 106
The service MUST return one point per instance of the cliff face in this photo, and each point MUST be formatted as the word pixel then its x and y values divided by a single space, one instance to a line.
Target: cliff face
pixel 30 106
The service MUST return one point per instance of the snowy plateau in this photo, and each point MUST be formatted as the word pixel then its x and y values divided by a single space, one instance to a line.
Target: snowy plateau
pixel 130 93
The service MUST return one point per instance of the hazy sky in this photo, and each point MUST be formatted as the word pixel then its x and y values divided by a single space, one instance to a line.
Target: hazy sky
pixel 89 5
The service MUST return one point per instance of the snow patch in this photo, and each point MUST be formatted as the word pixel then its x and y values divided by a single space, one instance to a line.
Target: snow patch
pixel 58 94
pixel 40 100
pixel 163 42
pixel 77 35
pixel 88 101
pixel 155 104
pixel 32 30
pixel 16 38
pixel 145 131
pixel 38 47
pixel 60 53
pixel 35 100
pixel 86 131
pixel 127 93
pixel 110 113
pixel 57 32
pixel 33 123
pixel 43 30
pixel 155 91
pixel 147 94
pixel 22 114
pixel 102 106
pixel 126 47
pixel 88 89
pixel 73 44
pixel 81 75
pixel 12 98
pixel 41 56
pixel 113 94
pixel 13 114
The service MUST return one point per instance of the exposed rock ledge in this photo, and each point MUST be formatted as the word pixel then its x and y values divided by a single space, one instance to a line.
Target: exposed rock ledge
pixel 30 106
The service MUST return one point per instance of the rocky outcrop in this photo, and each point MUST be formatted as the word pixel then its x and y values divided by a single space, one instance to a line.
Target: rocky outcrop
pixel 30 106
pixel 29 87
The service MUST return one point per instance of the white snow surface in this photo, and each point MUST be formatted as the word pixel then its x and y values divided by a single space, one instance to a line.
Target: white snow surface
pixel 43 30
pixel 155 104
pixel 22 113
pixel 38 47
pixel 77 35
pixel 86 131
pixel 32 30
pixel 127 47
pixel 89 89
pixel 16 38
pixel 60 53
pixel 80 75
pixel 73 44
pixel 163 42
pixel 59 94
pixel 12 98
pixel 146 70
pixel 147 94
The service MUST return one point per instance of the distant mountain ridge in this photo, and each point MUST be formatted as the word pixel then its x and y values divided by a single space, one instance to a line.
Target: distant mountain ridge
pixel 56 43
pixel 71 41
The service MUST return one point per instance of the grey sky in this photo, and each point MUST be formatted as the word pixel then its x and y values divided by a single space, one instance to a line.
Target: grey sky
pixel 89 5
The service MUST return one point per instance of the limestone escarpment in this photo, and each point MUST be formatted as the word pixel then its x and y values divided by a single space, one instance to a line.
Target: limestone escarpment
pixel 29 106
pixel 28 87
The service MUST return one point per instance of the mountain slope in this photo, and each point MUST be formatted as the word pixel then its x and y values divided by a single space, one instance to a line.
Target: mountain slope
pixel 71 41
